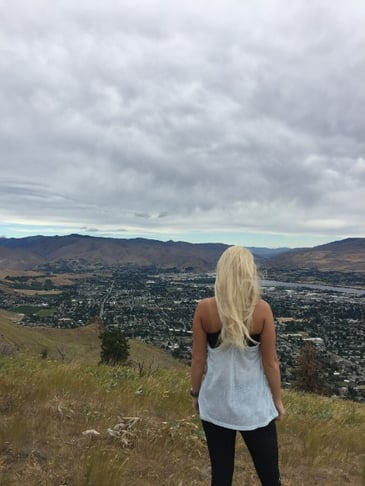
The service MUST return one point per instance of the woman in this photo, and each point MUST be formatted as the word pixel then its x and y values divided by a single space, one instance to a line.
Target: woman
pixel 234 335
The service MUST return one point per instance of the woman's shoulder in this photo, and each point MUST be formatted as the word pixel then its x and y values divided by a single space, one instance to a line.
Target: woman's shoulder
pixel 206 306
pixel 207 302
pixel 261 314
pixel 262 309
pixel 262 305
pixel 208 314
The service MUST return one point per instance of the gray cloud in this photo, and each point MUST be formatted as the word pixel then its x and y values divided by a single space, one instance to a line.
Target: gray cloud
pixel 192 117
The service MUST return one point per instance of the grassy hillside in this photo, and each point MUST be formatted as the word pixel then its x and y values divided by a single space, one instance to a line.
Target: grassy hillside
pixel 80 344
pixel 144 430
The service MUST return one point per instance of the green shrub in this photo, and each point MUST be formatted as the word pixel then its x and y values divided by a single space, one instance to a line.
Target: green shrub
pixel 114 346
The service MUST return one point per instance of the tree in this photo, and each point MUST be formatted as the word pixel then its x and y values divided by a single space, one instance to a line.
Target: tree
pixel 114 346
pixel 309 370
pixel 48 284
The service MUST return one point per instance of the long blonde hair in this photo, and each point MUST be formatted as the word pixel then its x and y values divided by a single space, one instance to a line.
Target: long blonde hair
pixel 237 292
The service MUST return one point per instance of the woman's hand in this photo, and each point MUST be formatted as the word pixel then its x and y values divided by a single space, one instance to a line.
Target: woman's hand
pixel 195 403
pixel 281 410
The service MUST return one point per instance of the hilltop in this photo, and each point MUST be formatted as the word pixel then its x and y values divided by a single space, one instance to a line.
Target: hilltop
pixel 72 422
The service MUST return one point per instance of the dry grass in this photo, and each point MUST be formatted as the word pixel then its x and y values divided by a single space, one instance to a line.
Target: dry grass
pixel 30 293
pixel 59 280
pixel 46 406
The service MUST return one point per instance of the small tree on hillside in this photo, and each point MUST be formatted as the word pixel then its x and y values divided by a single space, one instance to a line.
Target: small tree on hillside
pixel 114 346
pixel 309 370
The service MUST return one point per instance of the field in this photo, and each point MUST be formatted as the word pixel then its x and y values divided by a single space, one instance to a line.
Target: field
pixel 65 420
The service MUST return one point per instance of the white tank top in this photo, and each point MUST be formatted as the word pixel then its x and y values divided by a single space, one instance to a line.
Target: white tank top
pixel 235 393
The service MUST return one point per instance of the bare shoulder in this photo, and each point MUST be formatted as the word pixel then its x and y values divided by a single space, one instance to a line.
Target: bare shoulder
pixel 262 306
pixel 207 312
pixel 262 314
pixel 206 303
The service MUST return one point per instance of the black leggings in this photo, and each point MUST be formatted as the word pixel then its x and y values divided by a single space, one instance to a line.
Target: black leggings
pixel 261 443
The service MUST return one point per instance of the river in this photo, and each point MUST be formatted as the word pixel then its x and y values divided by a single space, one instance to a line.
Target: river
pixel 346 290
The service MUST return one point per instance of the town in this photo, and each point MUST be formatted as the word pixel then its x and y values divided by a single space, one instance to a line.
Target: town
pixel 157 306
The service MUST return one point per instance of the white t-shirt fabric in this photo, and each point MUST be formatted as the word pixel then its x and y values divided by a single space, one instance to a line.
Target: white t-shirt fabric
pixel 235 393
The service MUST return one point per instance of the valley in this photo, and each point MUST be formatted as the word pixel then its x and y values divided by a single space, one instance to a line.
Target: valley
pixel 156 306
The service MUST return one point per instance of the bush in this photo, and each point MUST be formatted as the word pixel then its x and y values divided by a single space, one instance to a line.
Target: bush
pixel 114 346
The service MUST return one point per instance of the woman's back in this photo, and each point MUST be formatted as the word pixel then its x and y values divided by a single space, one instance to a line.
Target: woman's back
pixel 211 322
pixel 235 392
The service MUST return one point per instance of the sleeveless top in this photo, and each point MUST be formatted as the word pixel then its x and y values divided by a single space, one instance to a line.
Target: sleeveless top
pixel 235 393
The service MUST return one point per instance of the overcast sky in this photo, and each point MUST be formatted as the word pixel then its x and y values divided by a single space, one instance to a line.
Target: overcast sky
pixel 231 121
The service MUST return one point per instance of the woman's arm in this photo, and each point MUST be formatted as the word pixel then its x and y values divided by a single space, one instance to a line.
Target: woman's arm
pixel 270 359
pixel 199 354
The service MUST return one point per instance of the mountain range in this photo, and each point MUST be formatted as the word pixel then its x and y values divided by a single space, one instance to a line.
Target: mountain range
pixel 33 252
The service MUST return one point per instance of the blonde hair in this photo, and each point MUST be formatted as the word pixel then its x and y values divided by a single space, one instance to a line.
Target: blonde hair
pixel 237 292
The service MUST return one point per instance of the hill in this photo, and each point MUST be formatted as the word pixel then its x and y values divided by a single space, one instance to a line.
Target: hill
pixel 35 251
pixel 69 345
pixel 79 424
pixel 32 252
pixel 346 255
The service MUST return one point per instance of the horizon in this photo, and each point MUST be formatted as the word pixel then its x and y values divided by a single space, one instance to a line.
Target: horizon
pixel 256 244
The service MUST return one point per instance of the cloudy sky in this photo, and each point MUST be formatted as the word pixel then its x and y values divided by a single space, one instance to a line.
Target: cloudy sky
pixel 231 121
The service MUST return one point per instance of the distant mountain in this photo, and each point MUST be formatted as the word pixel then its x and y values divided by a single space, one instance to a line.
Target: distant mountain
pixel 346 255
pixel 34 251
pixel 266 253
pixel 31 252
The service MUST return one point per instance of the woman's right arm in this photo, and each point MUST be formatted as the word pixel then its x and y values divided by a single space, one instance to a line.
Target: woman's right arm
pixel 270 359
pixel 199 354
